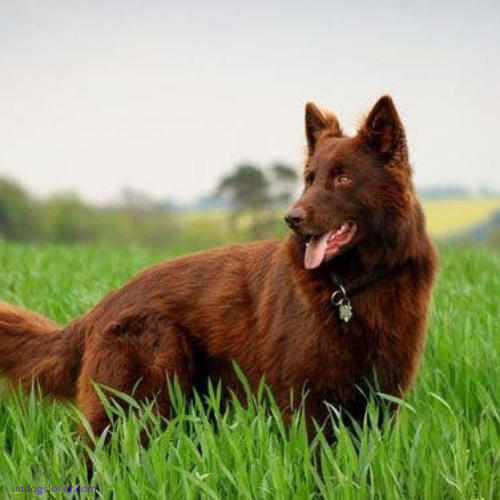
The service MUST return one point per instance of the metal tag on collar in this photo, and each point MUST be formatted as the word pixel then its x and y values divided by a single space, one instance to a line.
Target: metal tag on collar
pixel 339 298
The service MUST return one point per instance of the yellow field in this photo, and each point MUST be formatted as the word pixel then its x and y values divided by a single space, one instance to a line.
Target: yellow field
pixel 447 217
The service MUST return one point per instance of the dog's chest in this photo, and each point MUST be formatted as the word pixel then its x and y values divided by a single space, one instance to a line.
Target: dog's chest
pixel 346 351
pixel 323 355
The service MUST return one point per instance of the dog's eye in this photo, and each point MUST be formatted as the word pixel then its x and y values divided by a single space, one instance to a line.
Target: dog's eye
pixel 309 179
pixel 342 180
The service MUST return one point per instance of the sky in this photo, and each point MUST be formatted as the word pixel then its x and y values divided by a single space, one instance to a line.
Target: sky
pixel 165 97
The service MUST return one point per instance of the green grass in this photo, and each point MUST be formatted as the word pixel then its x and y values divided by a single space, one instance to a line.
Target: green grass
pixel 445 444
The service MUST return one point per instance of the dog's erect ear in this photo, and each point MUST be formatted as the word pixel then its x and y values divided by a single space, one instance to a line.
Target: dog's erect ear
pixel 319 121
pixel 384 132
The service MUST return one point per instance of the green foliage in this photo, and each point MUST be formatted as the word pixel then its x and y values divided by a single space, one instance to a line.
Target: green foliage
pixel 494 238
pixel 18 212
pixel 284 179
pixel 445 443
pixel 247 188
pixel 67 219
pixel 254 193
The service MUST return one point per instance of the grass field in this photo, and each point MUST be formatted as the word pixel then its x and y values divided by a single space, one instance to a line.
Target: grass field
pixel 446 443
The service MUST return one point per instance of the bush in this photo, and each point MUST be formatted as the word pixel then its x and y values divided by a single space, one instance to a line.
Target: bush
pixel 18 212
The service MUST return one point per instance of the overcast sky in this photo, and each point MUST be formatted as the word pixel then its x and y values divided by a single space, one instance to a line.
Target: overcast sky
pixel 166 96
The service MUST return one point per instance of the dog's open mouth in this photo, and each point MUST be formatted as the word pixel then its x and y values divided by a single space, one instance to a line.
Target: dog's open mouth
pixel 323 247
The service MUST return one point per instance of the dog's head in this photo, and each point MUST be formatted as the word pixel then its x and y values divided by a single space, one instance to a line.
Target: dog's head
pixel 355 188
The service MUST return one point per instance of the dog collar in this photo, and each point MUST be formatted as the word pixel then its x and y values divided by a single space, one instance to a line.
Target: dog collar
pixel 341 292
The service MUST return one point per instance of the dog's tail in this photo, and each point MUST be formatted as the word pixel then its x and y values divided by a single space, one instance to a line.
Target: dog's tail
pixel 36 349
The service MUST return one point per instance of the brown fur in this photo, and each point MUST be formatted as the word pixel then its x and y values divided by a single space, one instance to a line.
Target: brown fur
pixel 256 304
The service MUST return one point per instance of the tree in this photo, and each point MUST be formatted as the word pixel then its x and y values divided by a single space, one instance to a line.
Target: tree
pixel 257 193
pixel 246 188
pixel 18 213
pixel 285 180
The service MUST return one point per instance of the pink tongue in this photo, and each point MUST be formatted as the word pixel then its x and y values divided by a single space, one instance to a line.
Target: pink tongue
pixel 315 251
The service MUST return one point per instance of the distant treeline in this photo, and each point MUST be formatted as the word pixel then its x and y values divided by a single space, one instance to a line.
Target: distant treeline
pixel 67 219
pixel 252 193
pixel 456 192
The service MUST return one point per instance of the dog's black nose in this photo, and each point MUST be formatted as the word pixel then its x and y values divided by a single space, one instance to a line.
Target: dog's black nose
pixel 295 217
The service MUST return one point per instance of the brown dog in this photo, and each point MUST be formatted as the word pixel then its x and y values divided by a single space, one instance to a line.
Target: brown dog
pixel 344 299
